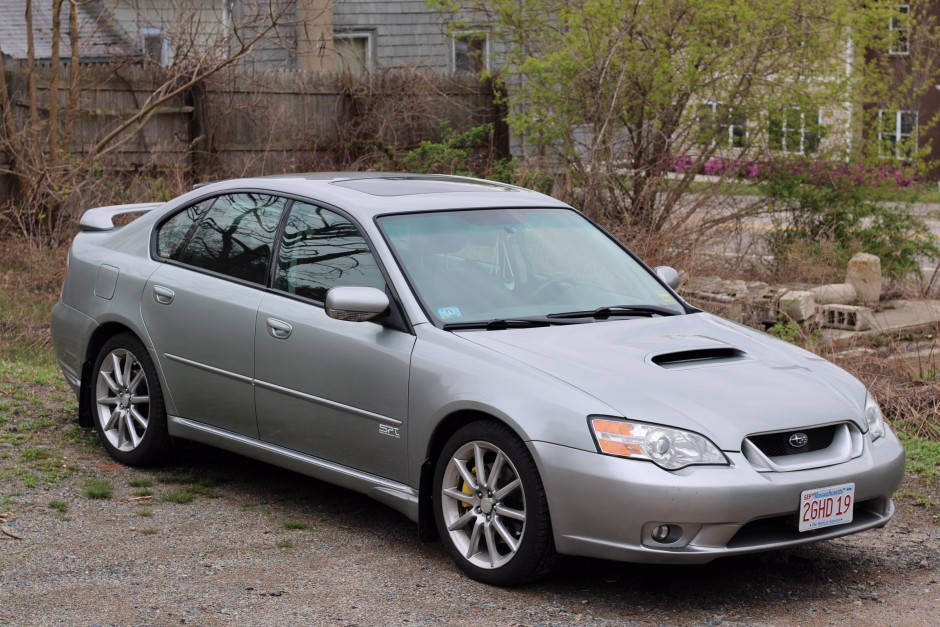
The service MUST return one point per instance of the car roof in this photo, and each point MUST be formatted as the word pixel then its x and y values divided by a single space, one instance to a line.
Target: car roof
pixel 374 193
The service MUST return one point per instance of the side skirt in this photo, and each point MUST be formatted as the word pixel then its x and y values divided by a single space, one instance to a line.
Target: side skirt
pixel 396 495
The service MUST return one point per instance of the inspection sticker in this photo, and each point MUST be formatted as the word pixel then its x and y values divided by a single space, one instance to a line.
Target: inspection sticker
pixel 448 313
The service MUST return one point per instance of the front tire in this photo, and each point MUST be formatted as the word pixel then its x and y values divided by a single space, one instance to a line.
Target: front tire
pixel 127 403
pixel 490 506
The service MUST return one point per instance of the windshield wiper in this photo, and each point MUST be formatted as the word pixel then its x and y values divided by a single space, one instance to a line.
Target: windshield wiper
pixel 498 324
pixel 602 313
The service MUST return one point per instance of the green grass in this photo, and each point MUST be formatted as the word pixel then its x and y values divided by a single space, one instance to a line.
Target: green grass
pixel 150 531
pixel 145 513
pixel 294 525
pixel 97 489
pixel 283 544
pixel 32 454
pixel 178 496
pixel 923 457
pixel 58 505
pixel 143 492
pixel 140 483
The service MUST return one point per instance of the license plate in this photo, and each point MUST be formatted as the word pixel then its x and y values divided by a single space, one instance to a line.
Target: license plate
pixel 825 507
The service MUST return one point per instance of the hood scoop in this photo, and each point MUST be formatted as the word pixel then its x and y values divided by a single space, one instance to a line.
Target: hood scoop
pixel 699 358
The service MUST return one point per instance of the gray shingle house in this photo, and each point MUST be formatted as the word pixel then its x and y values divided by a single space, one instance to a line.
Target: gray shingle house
pixel 101 37
pixel 351 35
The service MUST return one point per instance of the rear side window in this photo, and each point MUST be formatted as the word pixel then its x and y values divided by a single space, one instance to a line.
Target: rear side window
pixel 173 232
pixel 236 236
pixel 321 249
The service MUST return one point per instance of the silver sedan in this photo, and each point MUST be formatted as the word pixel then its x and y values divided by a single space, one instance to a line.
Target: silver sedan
pixel 478 356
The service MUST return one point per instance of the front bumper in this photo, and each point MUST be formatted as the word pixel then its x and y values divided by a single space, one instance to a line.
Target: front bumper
pixel 607 507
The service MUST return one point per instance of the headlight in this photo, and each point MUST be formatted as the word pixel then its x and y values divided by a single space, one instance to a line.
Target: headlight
pixel 874 418
pixel 668 448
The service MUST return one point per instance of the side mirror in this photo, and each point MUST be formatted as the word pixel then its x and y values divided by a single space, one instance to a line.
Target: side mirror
pixel 356 304
pixel 668 275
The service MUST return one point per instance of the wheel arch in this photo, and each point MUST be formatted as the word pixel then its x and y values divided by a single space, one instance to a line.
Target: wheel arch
pixel 101 335
pixel 427 530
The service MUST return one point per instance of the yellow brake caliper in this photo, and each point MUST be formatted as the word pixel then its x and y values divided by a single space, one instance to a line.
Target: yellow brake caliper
pixel 466 489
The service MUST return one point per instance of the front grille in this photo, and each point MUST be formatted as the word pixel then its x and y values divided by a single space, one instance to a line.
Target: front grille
pixel 778 444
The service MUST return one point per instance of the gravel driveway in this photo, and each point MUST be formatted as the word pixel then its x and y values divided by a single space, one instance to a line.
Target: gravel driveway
pixel 260 546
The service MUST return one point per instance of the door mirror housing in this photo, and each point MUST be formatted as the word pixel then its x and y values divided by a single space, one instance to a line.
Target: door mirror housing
pixel 668 275
pixel 356 304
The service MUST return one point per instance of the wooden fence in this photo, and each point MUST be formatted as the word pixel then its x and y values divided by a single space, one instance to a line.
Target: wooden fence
pixel 253 122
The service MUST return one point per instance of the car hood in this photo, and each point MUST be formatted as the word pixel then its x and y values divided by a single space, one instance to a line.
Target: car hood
pixel 696 372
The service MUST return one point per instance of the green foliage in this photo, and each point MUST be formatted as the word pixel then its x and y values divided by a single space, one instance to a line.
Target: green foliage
pixel 296 525
pixel 836 219
pixel 787 330
pixel 97 489
pixel 465 153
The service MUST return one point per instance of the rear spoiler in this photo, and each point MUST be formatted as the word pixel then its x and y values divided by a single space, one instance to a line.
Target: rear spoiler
pixel 102 218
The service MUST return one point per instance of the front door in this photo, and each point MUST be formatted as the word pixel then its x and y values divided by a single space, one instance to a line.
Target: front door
pixel 337 390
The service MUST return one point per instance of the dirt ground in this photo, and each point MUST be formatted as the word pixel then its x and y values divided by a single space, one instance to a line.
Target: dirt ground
pixel 260 546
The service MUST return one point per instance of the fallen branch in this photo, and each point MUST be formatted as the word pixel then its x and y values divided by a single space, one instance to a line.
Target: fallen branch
pixel 9 532
pixel 135 499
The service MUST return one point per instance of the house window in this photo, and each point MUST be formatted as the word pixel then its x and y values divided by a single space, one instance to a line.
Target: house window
pixel 899 28
pixel 795 131
pixel 154 45
pixel 898 134
pixel 722 125
pixel 352 52
pixel 471 52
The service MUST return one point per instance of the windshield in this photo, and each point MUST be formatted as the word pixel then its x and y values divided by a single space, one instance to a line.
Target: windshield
pixel 496 264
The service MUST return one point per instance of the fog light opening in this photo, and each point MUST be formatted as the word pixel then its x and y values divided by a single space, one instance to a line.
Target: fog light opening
pixel 666 534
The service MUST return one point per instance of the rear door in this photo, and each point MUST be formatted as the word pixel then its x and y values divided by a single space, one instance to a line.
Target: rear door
pixel 200 307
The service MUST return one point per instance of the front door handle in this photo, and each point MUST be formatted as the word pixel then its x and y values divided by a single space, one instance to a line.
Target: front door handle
pixel 163 295
pixel 278 329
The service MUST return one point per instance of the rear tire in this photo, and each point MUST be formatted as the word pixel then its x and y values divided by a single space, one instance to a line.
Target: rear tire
pixel 490 506
pixel 127 403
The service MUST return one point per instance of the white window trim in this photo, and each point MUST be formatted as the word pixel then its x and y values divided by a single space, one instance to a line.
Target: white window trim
pixel 487 51
pixel 899 138
pixel 727 137
pixel 801 130
pixel 905 11
pixel 360 34
pixel 146 31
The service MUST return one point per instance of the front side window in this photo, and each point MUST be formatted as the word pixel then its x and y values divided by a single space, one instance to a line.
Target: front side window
pixel 897 134
pixel 471 53
pixel 479 265
pixel 794 130
pixel 899 29
pixel 236 236
pixel 321 249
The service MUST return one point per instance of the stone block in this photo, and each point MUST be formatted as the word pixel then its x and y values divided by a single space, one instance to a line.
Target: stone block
pixel 845 317
pixel 864 274
pixel 798 305
pixel 835 294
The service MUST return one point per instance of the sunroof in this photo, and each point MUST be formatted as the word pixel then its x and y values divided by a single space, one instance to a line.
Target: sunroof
pixel 406 186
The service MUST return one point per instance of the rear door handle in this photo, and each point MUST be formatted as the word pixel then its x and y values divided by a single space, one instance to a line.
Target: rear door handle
pixel 163 295
pixel 278 329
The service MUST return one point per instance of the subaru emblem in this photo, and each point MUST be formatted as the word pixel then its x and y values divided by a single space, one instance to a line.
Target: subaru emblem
pixel 798 440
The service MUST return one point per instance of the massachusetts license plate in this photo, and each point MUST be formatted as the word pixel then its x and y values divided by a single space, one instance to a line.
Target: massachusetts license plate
pixel 825 507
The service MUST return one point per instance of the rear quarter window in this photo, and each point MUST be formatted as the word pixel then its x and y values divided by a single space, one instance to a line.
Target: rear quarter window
pixel 173 233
